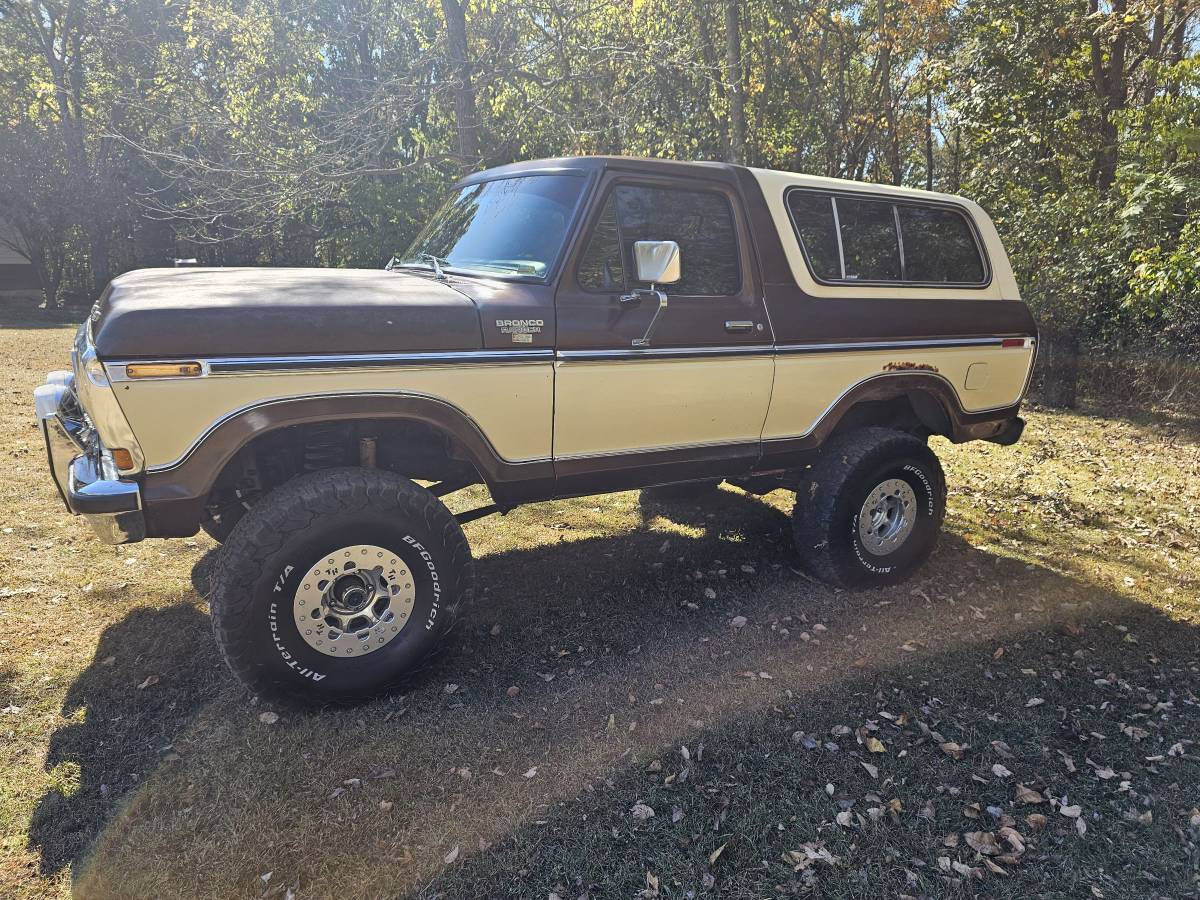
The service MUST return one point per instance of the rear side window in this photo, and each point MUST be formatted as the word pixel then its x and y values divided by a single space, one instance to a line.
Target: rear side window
pixel 869 243
pixel 812 215
pixel 700 222
pixel 850 239
pixel 939 246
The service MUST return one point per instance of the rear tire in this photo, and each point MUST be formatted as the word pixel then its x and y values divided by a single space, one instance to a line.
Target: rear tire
pixel 337 585
pixel 871 510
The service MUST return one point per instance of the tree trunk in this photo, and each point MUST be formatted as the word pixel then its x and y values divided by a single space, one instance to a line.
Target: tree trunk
pixel 892 139
pixel 1108 82
pixel 928 138
pixel 464 89
pixel 1058 367
pixel 733 76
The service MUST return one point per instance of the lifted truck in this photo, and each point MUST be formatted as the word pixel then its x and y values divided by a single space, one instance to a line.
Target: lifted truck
pixel 560 328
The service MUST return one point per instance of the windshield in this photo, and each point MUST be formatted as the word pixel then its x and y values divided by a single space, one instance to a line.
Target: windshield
pixel 513 226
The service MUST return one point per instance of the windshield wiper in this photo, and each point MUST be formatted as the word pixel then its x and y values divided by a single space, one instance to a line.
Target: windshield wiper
pixel 436 262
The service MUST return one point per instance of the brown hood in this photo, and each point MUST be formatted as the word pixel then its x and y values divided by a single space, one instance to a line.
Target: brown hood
pixel 256 311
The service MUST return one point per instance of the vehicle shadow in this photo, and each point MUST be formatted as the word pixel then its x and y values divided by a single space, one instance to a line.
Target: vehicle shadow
pixel 150 674
pixel 618 645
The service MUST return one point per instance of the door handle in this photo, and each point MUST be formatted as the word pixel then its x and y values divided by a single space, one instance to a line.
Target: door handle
pixel 739 325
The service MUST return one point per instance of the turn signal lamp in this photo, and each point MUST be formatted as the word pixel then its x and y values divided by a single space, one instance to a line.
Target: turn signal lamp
pixel 122 457
pixel 163 370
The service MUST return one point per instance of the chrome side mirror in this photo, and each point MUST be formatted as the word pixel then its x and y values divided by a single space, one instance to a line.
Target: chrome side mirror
pixel 658 263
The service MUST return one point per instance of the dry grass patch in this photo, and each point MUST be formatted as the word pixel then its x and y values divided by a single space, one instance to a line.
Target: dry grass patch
pixel 133 766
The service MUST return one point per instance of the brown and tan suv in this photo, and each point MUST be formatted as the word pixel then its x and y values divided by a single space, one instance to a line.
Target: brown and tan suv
pixel 561 327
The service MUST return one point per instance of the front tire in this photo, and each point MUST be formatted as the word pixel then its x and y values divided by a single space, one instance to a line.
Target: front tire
pixel 871 510
pixel 337 585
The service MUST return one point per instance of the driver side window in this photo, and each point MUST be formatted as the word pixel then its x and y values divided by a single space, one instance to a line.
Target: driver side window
pixel 700 222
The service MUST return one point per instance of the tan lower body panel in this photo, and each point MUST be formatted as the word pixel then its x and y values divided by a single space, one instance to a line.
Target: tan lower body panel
pixel 615 406
pixel 512 404
pixel 808 384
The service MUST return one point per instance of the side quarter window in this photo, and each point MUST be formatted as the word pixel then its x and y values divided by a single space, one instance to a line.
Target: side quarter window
pixel 700 222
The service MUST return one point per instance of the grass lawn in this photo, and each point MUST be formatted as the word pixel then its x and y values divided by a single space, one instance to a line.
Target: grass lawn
pixel 643 700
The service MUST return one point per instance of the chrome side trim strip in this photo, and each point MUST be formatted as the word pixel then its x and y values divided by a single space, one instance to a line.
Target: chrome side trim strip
pixel 851 346
pixel 293 398
pixel 242 365
pixel 781 350
pixel 664 353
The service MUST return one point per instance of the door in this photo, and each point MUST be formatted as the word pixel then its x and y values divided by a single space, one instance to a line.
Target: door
pixel 693 401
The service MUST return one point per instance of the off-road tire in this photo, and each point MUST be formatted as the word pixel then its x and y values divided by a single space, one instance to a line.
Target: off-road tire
pixel 683 491
pixel 825 521
pixel 292 529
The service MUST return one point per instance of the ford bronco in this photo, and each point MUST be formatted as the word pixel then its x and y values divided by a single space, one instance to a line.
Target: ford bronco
pixel 559 328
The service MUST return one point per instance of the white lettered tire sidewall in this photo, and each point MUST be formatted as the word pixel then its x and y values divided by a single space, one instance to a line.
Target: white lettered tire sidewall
pixel 919 543
pixel 276 545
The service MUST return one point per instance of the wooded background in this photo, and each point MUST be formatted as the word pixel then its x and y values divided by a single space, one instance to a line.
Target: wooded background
pixel 323 132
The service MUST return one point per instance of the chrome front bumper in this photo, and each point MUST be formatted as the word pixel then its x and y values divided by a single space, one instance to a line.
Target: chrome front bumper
pixel 84 472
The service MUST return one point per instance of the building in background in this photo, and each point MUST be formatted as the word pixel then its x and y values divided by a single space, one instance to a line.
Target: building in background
pixel 17 276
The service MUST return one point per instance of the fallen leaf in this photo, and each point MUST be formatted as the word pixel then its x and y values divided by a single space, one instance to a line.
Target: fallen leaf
pixel 1034 701
pixel 845 818
pixel 871 770
pixel 952 749
pixel 150 681
pixel 268 718
pixel 1013 838
pixel 450 857
pixel 1001 771
pixel 531 772
pixel 1028 795
pixel 641 811
pixel 1002 749
pixel 1036 821
pixel 1071 812
pixel 716 854
pixel 875 745
pixel 982 842
pixel 738 621
pixel 966 871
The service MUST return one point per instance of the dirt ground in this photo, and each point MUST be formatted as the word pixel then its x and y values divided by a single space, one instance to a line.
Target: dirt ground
pixel 643 700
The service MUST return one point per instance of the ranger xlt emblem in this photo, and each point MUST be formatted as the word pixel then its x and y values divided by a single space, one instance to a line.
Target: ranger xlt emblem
pixel 522 330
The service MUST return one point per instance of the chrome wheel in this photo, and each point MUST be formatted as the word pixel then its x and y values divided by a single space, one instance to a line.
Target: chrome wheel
pixel 354 601
pixel 887 516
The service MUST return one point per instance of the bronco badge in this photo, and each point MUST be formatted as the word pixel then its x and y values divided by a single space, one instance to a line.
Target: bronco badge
pixel 522 330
